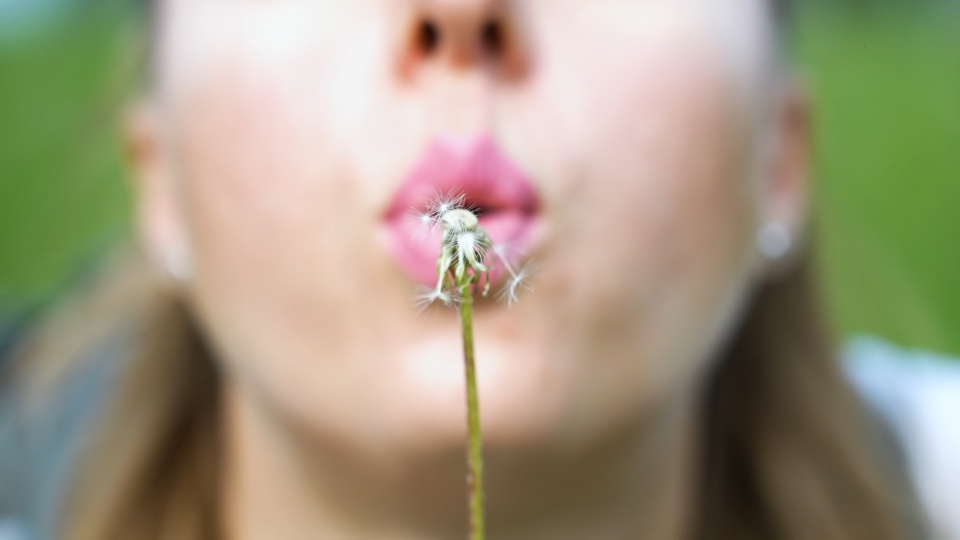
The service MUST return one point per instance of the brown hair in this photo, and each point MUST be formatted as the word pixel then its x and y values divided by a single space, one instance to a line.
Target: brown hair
pixel 149 468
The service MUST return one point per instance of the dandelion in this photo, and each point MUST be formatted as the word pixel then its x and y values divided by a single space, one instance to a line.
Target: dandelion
pixel 461 267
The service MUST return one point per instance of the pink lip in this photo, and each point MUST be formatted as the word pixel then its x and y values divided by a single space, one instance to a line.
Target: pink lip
pixel 477 169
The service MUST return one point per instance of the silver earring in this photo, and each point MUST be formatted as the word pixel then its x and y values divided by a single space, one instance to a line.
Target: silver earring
pixel 774 241
pixel 180 264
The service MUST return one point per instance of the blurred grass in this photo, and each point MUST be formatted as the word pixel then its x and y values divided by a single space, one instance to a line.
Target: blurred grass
pixel 62 193
pixel 886 83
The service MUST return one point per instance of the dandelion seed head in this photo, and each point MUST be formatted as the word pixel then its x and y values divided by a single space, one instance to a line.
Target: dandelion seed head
pixel 460 220
pixel 463 253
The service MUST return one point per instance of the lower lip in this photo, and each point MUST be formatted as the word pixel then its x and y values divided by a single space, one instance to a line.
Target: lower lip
pixel 417 248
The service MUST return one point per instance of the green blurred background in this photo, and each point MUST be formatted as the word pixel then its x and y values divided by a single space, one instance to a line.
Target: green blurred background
pixel 885 76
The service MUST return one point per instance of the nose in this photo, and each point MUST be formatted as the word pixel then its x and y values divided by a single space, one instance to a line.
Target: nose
pixel 463 35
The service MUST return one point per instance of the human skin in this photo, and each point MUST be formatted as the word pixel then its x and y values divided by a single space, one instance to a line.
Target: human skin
pixel 658 136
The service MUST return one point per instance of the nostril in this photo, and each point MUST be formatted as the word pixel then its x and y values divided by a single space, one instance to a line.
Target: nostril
pixel 491 35
pixel 428 37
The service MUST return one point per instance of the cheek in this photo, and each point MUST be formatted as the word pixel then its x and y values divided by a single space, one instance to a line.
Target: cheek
pixel 655 147
pixel 275 212
pixel 266 179
pixel 664 195
pixel 657 207
pixel 281 213
pixel 267 127
pixel 260 183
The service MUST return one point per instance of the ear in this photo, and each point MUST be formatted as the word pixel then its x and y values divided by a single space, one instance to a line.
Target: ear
pixel 158 201
pixel 786 186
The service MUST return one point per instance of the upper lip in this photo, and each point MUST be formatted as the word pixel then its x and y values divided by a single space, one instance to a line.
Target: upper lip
pixel 475 169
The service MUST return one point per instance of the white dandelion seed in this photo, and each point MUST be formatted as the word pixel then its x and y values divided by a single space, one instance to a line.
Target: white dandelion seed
pixel 428 295
pixel 518 280
pixel 424 221
pixel 444 203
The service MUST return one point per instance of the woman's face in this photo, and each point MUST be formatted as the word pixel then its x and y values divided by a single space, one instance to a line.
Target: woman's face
pixel 287 132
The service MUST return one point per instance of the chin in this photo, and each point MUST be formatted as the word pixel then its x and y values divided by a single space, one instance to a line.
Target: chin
pixel 521 393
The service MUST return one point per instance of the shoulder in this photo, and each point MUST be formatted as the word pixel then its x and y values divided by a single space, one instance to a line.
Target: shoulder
pixel 918 394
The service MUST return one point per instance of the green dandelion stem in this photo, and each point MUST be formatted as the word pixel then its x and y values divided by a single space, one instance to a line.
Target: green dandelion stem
pixel 475 449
